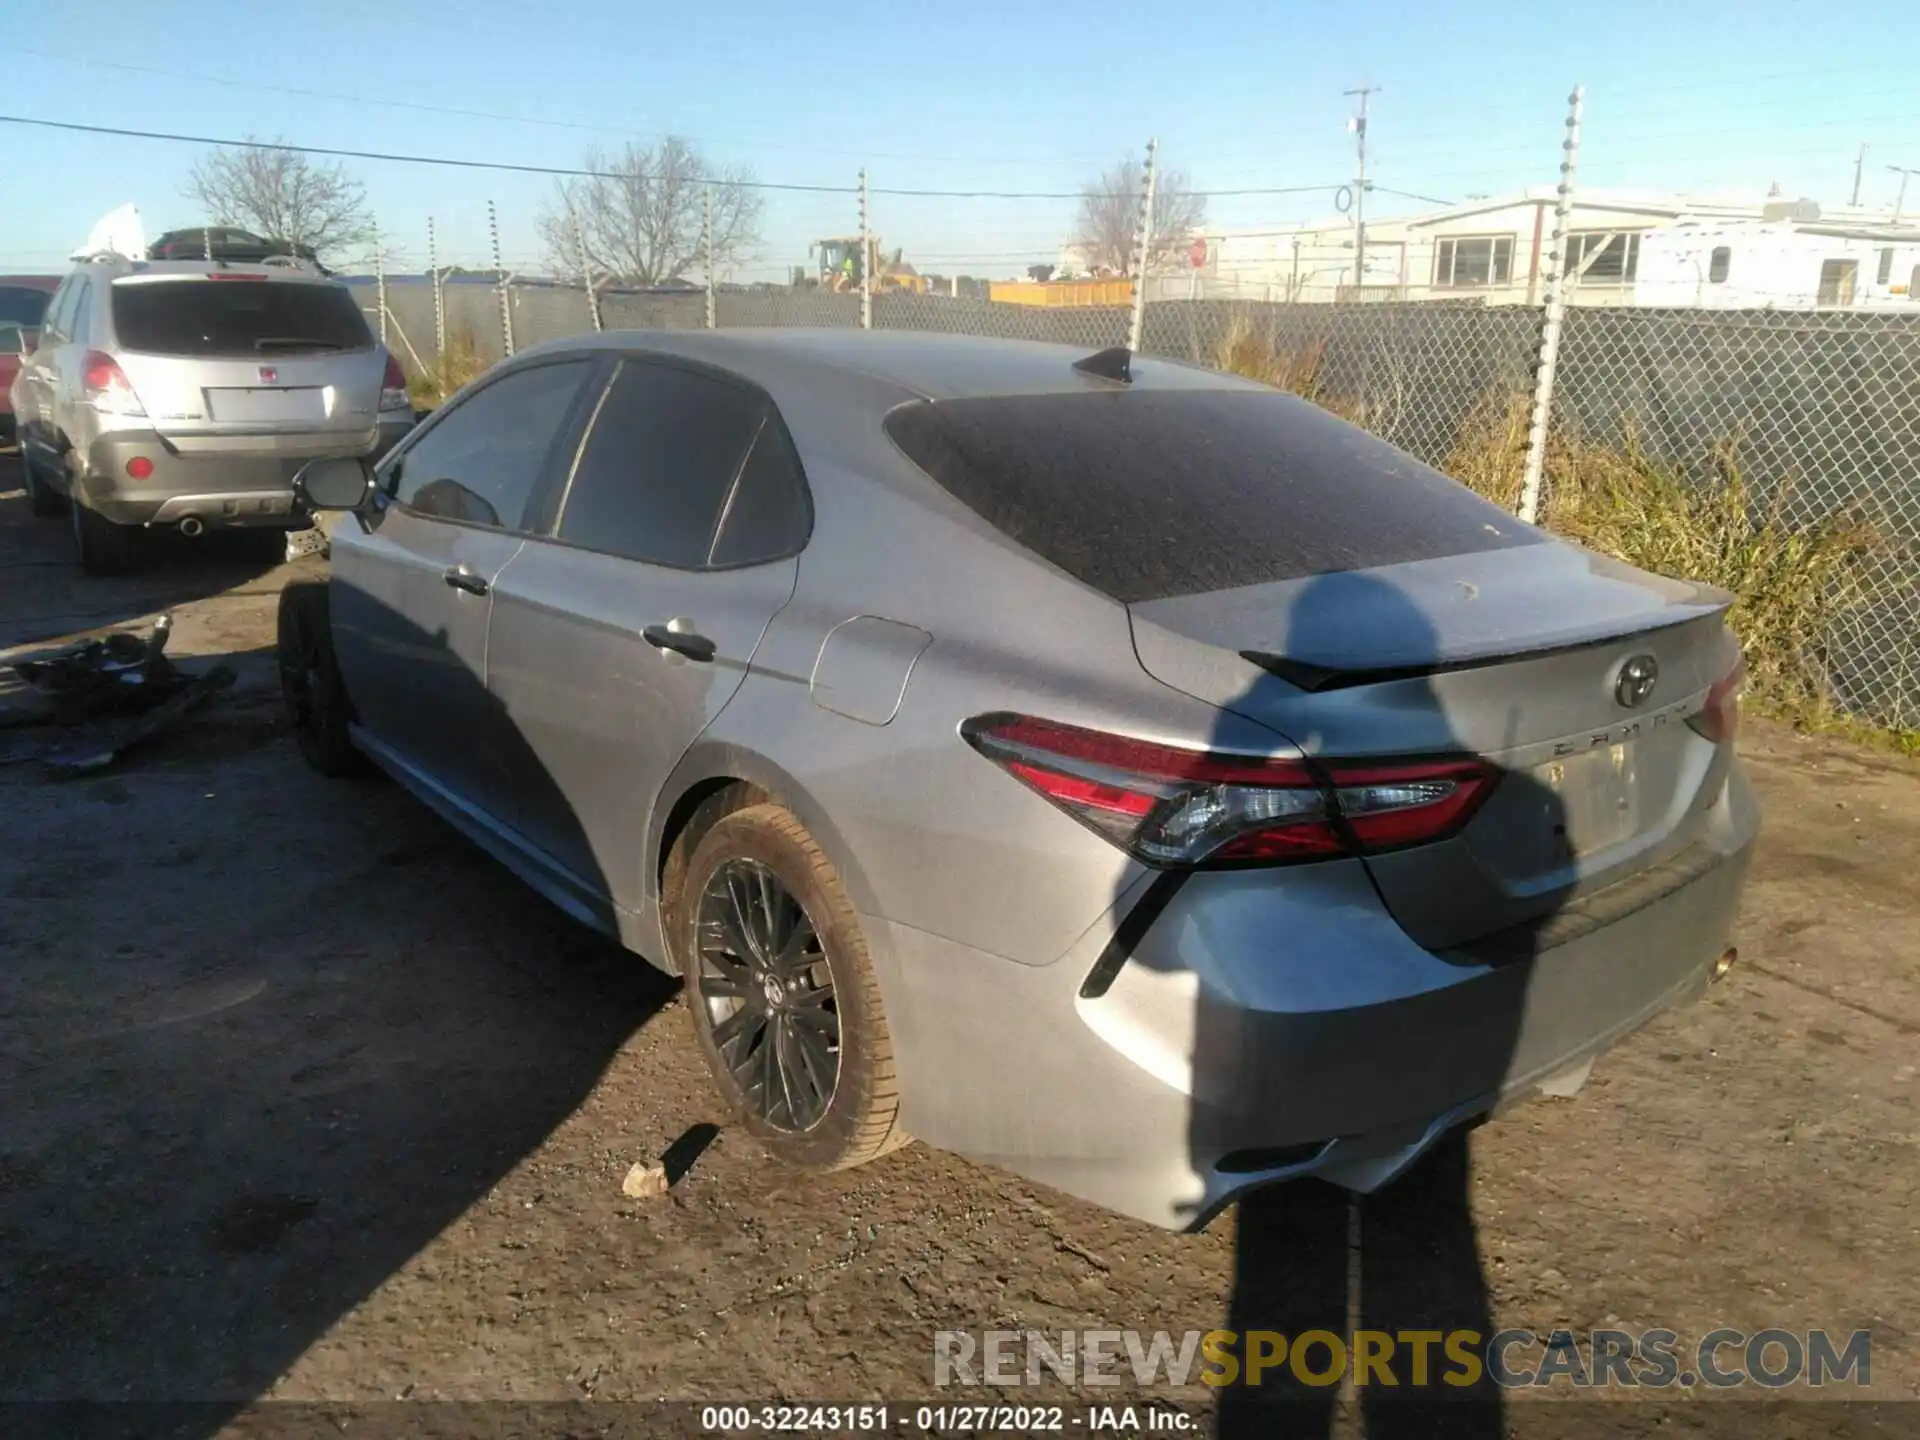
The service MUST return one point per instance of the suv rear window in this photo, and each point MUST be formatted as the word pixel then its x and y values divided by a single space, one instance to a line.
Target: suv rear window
pixel 237 317
pixel 1145 495
pixel 20 305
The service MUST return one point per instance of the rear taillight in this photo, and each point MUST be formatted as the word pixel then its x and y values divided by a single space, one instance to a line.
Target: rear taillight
pixel 1177 808
pixel 393 389
pixel 104 386
pixel 1720 720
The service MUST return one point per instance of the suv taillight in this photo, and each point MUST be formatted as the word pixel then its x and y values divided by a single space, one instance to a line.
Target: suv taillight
pixel 394 394
pixel 104 386
pixel 1177 809
pixel 1719 721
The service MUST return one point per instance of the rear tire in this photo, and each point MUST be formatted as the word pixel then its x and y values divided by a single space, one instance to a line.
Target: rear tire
pixel 101 547
pixel 42 498
pixel 316 697
pixel 781 994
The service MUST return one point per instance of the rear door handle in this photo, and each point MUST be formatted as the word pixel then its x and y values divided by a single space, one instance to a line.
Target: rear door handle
pixel 681 642
pixel 465 577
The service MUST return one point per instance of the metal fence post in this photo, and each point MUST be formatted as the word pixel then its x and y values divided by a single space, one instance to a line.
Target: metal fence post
pixel 586 269
pixel 712 319
pixel 439 313
pixel 866 260
pixel 380 281
pixel 1554 318
pixel 1142 243
pixel 500 274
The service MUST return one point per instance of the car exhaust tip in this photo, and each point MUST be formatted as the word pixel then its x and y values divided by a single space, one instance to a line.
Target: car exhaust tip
pixel 191 526
pixel 1725 961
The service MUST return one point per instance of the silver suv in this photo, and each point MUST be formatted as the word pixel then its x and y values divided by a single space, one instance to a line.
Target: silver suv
pixel 187 393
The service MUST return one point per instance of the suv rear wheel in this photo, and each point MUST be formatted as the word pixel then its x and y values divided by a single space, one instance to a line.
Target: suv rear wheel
pixel 102 547
pixel 782 997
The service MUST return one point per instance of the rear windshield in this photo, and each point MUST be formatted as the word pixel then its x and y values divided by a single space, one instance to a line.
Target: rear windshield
pixel 237 317
pixel 1149 494
pixel 22 306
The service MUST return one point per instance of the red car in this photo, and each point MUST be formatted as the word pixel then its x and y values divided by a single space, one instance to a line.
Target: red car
pixel 23 304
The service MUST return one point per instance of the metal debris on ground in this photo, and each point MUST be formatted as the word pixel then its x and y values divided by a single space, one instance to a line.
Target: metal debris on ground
pixel 105 694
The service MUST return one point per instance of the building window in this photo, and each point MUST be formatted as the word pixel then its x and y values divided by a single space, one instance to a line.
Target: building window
pixel 1836 282
pixel 1471 262
pixel 1913 284
pixel 1719 264
pixel 1603 257
pixel 1886 268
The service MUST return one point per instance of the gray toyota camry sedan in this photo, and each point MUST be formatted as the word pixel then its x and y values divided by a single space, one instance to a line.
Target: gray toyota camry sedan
pixel 1107 769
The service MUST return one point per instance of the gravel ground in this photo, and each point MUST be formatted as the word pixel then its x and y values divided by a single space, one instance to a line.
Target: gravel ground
pixel 303 1098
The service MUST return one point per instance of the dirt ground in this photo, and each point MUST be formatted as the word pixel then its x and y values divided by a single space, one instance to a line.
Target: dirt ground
pixel 304 1098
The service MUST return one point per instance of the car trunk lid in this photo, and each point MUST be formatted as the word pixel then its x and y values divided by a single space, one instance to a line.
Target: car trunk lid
pixel 1518 655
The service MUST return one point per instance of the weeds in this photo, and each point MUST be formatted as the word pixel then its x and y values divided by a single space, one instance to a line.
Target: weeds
pixel 460 363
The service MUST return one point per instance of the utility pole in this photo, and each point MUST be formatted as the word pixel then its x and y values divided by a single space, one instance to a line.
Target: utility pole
pixel 1142 248
pixel 1900 199
pixel 1859 164
pixel 1359 127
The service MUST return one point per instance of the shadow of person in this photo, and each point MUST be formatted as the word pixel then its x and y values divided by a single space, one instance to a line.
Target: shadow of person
pixel 1341 1027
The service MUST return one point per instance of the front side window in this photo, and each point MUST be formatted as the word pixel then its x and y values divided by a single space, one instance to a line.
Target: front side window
pixel 665 464
pixel 481 463
pixel 1471 262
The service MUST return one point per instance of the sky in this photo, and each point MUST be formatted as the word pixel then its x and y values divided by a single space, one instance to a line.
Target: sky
pixel 989 96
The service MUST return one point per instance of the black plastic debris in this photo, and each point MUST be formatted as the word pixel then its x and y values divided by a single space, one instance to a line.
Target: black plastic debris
pixel 103 695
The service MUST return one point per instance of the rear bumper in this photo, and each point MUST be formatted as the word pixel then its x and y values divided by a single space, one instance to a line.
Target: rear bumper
pixel 1267 1027
pixel 231 488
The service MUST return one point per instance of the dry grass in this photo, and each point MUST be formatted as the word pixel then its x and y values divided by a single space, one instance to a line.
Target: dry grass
pixel 1791 573
pixel 458 365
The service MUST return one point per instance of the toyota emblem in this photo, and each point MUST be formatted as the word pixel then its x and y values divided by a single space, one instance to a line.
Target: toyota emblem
pixel 1637 679
pixel 269 375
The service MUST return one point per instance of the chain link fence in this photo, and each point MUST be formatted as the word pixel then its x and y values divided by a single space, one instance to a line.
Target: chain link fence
pixel 1818 408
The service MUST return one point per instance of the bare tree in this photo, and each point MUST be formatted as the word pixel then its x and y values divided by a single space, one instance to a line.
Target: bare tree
pixel 1110 214
pixel 283 195
pixel 641 216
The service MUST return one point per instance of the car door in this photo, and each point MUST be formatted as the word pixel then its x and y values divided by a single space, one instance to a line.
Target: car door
pixel 618 639
pixel 412 586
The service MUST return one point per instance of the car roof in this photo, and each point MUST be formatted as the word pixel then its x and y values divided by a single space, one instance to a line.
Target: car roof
pixel 888 366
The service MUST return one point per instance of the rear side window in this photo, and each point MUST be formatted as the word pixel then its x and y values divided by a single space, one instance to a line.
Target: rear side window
pixel 1145 495
pixel 237 318
pixel 665 455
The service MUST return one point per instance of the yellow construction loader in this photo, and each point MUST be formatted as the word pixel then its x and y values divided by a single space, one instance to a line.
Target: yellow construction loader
pixel 840 270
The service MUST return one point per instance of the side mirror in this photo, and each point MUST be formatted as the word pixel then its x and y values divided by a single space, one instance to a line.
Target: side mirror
pixel 337 483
